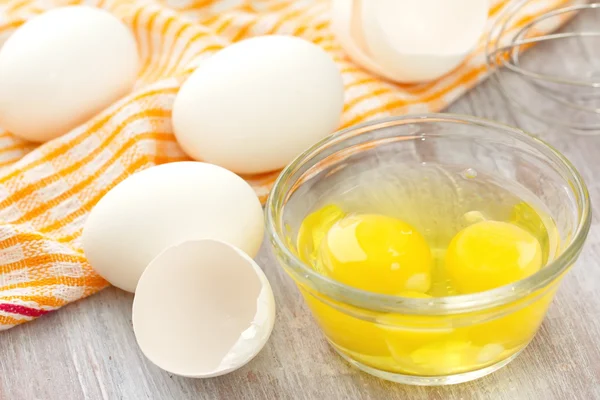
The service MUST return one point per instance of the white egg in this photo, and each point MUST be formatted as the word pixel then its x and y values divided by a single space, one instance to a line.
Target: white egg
pixel 257 104
pixel 166 205
pixel 202 309
pixel 409 41
pixel 61 68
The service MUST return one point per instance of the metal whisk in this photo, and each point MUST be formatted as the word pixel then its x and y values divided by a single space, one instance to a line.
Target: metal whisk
pixel 533 85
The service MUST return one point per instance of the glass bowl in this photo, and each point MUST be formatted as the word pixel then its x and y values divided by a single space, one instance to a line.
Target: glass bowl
pixel 440 340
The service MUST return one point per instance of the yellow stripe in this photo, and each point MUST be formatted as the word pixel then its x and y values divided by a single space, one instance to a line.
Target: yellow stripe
pixel 81 185
pixel 149 39
pixel 94 280
pixel 35 186
pixel 6 320
pixel 152 73
pixel 88 205
pixel 64 148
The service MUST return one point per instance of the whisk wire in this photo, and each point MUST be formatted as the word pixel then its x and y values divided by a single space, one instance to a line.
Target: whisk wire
pixel 503 51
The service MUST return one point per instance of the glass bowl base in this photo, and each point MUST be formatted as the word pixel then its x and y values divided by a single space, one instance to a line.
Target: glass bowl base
pixel 429 380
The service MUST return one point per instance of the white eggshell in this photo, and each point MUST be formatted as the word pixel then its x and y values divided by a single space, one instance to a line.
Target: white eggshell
pixel 257 104
pixel 417 41
pixel 347 26
pixel 61 68
pixel 166 205
pixel 202 309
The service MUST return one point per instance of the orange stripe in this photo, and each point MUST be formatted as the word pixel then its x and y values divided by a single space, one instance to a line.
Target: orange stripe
pixel 351 103
pixel 328 39
pixel 182 54
pixel 36 212
pixel 277 6
pixel 211 20
pixel 16 146
pixel 244 30
pixel 71 237
pixel 14 24
pixel 20 238
pixel 300 30
pixel 304 24
pixel 321 25
pixel 8 162
pixel 160 71
pixel 464 80
pixel 194 5
pixel 38 260
pixel 150 59
pixel 163 34
pixel 190 69
pixel 6 320
pixel 162 159
pixel 83 184
pixel 99 124
pixel 92 280
pixel 221 28
pixel 368 114
pixel 88 206
pixel 362 81
pixel 135 20
pixel 44 301
pixel 284 18
pixel 16 5
pixel 495 8
pixel 35 186
pixel 246 6
pixel 418 90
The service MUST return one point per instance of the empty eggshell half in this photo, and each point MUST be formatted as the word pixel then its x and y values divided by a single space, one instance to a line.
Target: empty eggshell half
pixel 346 23
pixel 418 41
pixel 202 308
pixel 409 41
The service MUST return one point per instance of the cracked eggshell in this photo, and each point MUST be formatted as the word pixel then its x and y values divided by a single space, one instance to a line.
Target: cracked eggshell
pixel 165 205
pixel 202 309
pixel 409 41
pixel 424 40
pixel 347 27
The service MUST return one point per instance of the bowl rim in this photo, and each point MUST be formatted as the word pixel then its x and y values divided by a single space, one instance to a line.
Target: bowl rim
pixel 362 299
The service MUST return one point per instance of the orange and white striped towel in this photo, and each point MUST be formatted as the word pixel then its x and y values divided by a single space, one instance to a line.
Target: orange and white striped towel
pixel 47 191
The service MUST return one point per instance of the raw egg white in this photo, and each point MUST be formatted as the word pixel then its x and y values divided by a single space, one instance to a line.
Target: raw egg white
pixel 61 68
pixel 257 104
pixel 164 206
pixel 202 309
pixel 409 41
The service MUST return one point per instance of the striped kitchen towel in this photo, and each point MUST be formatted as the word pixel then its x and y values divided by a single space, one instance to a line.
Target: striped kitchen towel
pixel 46 191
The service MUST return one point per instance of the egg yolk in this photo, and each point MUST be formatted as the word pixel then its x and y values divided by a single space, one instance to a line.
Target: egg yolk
pixel 490 254
pixel 312 231
pixel 377 253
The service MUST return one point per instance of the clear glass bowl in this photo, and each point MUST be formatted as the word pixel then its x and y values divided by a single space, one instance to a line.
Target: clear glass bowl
pixel 449 339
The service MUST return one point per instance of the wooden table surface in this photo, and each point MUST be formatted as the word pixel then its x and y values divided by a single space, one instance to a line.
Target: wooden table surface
pixel 88 351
